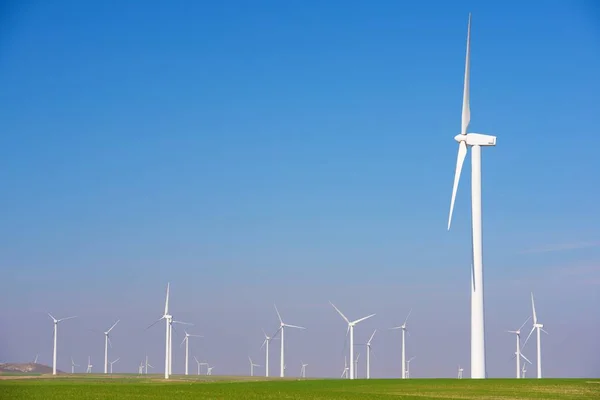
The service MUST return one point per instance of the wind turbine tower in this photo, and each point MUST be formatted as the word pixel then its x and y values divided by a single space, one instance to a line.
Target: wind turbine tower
pixel 56 322
pixel 475 141
pixel 106 343
pixel 186 339
pixel 282 326
pixel 540 328
pixel 404 331
pixel 351 325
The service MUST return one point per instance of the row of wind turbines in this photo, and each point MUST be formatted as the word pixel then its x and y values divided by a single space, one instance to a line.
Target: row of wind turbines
pixel 478 355
pixel 349 371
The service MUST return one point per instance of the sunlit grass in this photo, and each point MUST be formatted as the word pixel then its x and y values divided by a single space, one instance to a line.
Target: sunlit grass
pixel 215 387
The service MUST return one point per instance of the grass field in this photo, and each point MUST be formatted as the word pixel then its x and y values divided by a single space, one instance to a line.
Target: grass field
pixel 90 387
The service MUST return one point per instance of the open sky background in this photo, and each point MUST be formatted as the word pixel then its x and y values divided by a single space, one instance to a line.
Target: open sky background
pixel 261 152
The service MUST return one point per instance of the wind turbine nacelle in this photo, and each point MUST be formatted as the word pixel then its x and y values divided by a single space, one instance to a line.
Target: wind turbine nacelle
pixel 478 139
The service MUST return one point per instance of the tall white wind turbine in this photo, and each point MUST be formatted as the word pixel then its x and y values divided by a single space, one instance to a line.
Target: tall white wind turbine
pixel 282 326
pixel 404 331
pixel 518 354
pixel 106 343
pixel 56 322
pixel 186 339
pixel 369 355
pixel 475 141
pixel 111 364
pixel 539 327
pixel 350 330
pixel 265 344
pixel 168 318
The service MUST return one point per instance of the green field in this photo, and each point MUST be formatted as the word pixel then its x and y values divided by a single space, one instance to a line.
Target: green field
pixel 82 387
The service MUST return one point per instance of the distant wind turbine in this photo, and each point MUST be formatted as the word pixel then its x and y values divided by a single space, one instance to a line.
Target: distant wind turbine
pixel 476 141
pixel 404 331
pixel 111 364
pixel 141 368
pixel 350 330
pixel 89 366
pixel 36 358
pixel 56 322
pixel 252 365
pixel 523 371
pixel 73 365
pixel 408 367
pixel 106 343
pixel 186 339
pixel 356 366
pixel 345 371
pixel 518 354
pixel 303 370
pixel 148 365
pixel 265 344
pixel 198 363
pixel 539 327
pixel 282 326
pixel 209 370
pixel 368 344
pixel 460 372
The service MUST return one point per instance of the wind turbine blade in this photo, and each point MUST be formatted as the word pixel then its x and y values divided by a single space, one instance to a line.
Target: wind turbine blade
pixel 533 308
pixel 196 359
pixel 109 342
pixel 53 319
pixel 542 329
pixel 167 299
pixel 528 336
pixel 460 159
pixel 155 322
pixel 363 318
pixel 294 326
pixel 278 315
pixel 396 327
pixel 371 338
pixel 183 341
pixel 117 360
pixel 263 344
pixel 264 333
pixel 183 323
pixel 525 358
pixel 406 320
pixel 466 108
pixel 521 327
pixel 339 312
pixel 511 331
pixel 111 328
pixel 64 319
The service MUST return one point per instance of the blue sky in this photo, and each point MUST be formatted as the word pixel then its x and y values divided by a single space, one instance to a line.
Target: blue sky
pixel 261 152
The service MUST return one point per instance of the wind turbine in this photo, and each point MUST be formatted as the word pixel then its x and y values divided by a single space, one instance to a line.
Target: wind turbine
pixel 345 372
pixel 199 363
pixel 111 364
pixel 148 365
pixel 368 344
pixel 168 334
pixel 476 141
pixel 356 366
pixel 141 368
pixel 73 365
pixel 539 327
pixel 283 325
pixel 186 339
pixel 350 329
pixel 265 344
pixel 36 358
pixel 408 367
pixel 89 366
pixel 303 370
pixel 209 369
pixel 106 343
pixel 518 354
pixel 523 371
pixel 460 372
pixel 56 321
pixel 404 331
pixel 252 365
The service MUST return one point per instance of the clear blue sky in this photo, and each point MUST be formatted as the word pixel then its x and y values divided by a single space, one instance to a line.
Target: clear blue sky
pixel 296 152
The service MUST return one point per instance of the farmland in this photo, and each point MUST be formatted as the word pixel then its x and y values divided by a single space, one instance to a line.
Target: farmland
pixel 131 387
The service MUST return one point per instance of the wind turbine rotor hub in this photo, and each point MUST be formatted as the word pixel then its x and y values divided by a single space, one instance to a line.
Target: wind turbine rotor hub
pixel 460 138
